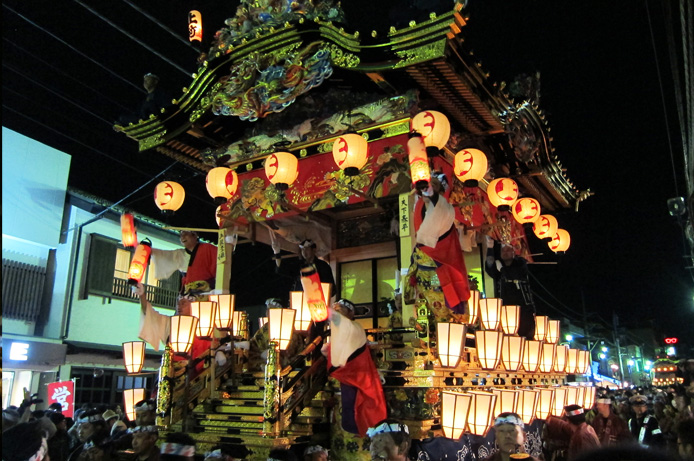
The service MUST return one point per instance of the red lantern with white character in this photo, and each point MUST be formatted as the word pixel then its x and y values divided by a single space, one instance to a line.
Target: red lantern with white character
pixel 526 210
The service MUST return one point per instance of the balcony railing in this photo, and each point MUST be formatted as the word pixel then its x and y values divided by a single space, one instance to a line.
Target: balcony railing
pixel 157 296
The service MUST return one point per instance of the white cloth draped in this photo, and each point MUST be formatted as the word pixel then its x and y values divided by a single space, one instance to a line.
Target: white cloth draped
pixel 437 220
pixel 346 336
pixel 166 262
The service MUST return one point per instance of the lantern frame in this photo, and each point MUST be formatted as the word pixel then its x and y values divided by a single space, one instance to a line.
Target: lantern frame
pixel 206 313
pixel 527 404
pixel 541 326
pixel 489 354
pixel 572 360
pixel 512 348
pixel 473 307
pixel 589 397
pixel 548 351
pixel 490 313
pixel 226 305
pixel 480 417
pixel 506 401
pixel 454 413
pixel 133 356
pixel 544 403
pixel 510 319
pixel 572 395
pixel 561 358
pixel 531 355
pixel 553 331
pixel 130 398
pixel 450 343
pixel 182 333
pixel 297 301
pixel 558 401
pixel 281 326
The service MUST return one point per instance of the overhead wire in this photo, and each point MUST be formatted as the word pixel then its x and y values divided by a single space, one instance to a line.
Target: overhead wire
pixel 157 22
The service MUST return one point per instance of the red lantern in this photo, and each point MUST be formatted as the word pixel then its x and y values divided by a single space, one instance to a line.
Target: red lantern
pixel 470 166
pixel 350 152
pixel 546 226
pixel 221 184
pixel 138 265
pixel 502 193
pixel 526 210
pixel 128 231
pixel 194 26
pixel 434 128
pixel 561 241
pixel 282 169
pixel 169 196
pixel 419 163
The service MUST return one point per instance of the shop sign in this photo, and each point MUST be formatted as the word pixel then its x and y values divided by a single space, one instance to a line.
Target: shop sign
pixel 63 392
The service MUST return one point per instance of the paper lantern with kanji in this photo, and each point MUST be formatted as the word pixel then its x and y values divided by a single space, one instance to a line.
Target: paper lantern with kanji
pixel 526 210
pixel 350 152
pixel 560 241
pixel 282 169
pixel 502 193
pixel 194 26
pixel 434 128
pixel 545 227
pixel 138 265
pixel 169 196
pixel 128 231
pixel 470 166
pixel 221 183
pixel 419 163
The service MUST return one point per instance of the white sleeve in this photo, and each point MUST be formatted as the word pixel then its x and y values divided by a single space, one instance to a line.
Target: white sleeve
pixel 166 262
pixel 154 327
pixel 437 220
pixel 346 336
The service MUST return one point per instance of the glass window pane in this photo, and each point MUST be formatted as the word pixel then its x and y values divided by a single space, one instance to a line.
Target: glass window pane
pixel 386 270
pixel 355 281
pixel 122 264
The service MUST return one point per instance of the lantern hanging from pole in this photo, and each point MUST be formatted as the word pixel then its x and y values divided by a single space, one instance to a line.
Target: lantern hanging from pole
pixel 419 163
pixel 225 311
pixel 572 360
pixel 139 263
pixel 544 403
pixel 450 341
pixel 481 414
pixel 531 355
pixel 128 230
pixel 510 318
pixel 502 193
pixel 545 227
pixel 169 196
pixel 572 396
pixel 282 169
pixel 314 295
pixel 506 401
pixel 454 413
pixel 470 166
pixel 182 333
pixel 281 326
pixel 559 401
pixel 303 314
pixel 194 26
pixel 560 241
pixel 560 359
pixel 526 210
pixel 350 152
pixel 488 345
pixel 473 304
pixel 553 331
pixel 527 404
pixel 434 128
pixel 221 183
pixel 130 398
pixel 541 324
pixel 512 352
pixel 133 356
pixel 206 312
pixel 547 357
pixel 589 397
pixel 490 312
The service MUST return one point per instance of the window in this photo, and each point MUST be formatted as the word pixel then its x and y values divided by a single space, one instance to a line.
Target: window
pixel 369 284
pixel 107 275
pixel 97 386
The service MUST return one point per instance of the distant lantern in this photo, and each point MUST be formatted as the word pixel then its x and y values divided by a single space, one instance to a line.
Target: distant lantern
pixel 302 320
pixel 545 227
pixel 194 26
pixel 454 413
pixel 531 355
pixel 206 312
pixel 541 325
pixel 488 344
pixel 434 128
pixel 547 354
pixel 221 184
pixel 560 241
pixel 544 403
pixel 350 152
pixel 470 166
pixel 481 414
pixel 128 231
pixel 502 193
pixel 510 319
pixel 526 210
pixel 450 341
pixel 553 331
pixel 558 401
pixel 182 332
pixel 560 359
pixel 419 163
pixel 490 312
pixel 138 265
pixel 512 352
pixel 527 404
pixel 506 401
pixel 282 169
pixel 572 360
pixel 130 398
pixel 281 326
pixel 133 356
pixel 169 196
pixel 473 306
pixel 225 310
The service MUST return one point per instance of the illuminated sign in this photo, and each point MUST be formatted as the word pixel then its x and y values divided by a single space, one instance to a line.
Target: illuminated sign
pixel 19 351
pixel 670 340
pixel 21 354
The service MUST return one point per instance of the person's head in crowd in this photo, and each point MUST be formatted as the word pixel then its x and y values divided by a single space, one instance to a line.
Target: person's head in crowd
pixel 603 405
pixel 58 419
pixel 150 82
pixel 507 253
pixel 226 453
pixel 390 440
pixel 575 414
pixel 24 442
pixel 36 414
pixel 91 426
pixel 56 406
pixel 345 307
pixel 281 454
pixel 639 404
pixel 315 453
pixel 177 447
pixel 110 417
pixel 144 441
pixel 685 438
pixel 508 432
pixel 145 412
pixel 308 250
pixel 47 426
pixel 10 417
pixel 624 453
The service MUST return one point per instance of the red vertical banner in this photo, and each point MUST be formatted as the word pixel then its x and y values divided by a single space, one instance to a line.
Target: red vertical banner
pixel 63 392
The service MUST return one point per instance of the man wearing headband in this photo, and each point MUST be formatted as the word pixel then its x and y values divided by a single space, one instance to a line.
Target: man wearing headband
pixel 610 428
pixel 177 447
pixel 510 437
pixel 144 443
pixel 644 426
pixel 579 436
pixel 350 362
pixel 390 441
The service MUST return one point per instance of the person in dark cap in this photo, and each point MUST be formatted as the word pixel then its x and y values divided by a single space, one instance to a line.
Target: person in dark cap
pixel 574 431
pixel 509 435
pixel 610 428
pixel 644 426
pixel 24 442
pixel 59 444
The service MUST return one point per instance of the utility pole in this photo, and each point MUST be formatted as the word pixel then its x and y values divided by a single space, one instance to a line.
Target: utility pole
pixel 615 323
pixel 587 335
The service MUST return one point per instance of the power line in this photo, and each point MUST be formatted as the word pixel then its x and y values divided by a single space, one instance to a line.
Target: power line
pixel 157 22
